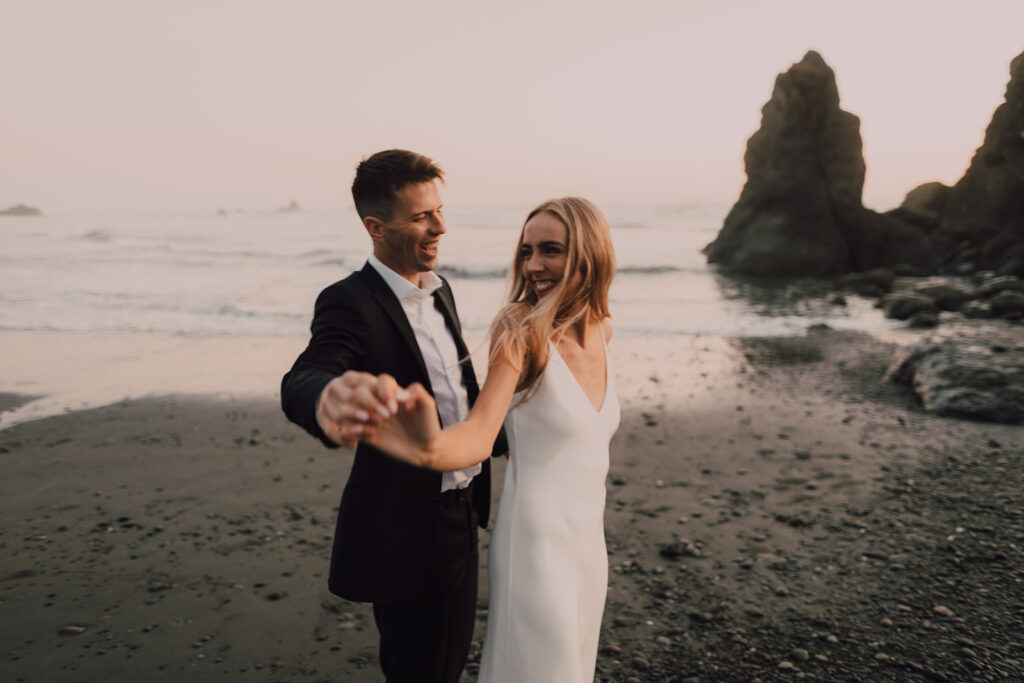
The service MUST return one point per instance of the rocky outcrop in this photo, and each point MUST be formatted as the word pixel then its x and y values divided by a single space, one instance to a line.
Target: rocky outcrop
pixel 922 207
pixel 977 297
pixel 982 224
pixel 975 373
pixel 947 293
pixel 21 210
pixel 800 211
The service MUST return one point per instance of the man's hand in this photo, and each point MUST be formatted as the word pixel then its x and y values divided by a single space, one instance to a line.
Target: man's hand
pixel 352 405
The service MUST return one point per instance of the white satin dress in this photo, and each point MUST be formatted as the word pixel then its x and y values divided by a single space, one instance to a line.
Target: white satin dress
pixel 548 563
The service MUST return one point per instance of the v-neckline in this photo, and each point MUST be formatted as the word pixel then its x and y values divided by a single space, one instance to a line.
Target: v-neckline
pixel 604 395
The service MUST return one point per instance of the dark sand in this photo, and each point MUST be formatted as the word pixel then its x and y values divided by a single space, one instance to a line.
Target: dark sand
pixel 775 511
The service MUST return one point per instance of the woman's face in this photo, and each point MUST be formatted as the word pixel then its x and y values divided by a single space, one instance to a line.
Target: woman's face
pixel 544 253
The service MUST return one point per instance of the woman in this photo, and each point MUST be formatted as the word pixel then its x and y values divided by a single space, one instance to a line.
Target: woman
pixel 549 381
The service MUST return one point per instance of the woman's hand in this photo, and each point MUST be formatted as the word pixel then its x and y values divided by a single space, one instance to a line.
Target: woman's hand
pixel 411 433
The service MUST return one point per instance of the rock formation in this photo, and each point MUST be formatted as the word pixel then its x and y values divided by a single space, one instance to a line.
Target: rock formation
pixel 800 212
pixel 975 373
pixel 983 219
pixel 923 206
pixel 21 210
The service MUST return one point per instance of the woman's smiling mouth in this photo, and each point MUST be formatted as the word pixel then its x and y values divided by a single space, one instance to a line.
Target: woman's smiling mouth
pixel 542 286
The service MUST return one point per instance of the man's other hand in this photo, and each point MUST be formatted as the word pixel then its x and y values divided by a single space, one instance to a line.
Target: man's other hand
pixel 352 405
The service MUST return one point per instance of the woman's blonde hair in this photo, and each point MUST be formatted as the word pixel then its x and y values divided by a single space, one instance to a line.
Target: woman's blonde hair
pixel 521 330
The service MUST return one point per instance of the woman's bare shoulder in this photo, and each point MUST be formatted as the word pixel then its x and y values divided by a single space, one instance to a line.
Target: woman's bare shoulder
pixel 606 327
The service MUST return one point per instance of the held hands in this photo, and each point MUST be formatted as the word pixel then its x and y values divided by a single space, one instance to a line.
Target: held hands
pixel 353 404
pixel 358 406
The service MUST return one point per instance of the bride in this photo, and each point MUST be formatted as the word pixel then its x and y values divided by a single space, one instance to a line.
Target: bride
pixel 548 380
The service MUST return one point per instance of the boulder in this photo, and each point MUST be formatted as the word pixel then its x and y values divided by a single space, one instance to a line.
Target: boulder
pixel 1000 284
pixel 874 282
pixel 947 293
pixel 1007 304
pixel 986 206
pixel 977 374
pixel 21 210
pixel 800 211
pixel 922 206
pixel 976 309
pixel 1013 264
pixel 904 305
pixel 923 320
pixel 882 240
pixel 927 198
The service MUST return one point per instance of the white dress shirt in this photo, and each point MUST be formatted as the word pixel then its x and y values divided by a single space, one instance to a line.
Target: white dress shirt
pixel 437 346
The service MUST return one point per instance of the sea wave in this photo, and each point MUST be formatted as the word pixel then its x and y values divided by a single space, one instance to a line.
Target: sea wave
pixel 468 273
pixel 654 270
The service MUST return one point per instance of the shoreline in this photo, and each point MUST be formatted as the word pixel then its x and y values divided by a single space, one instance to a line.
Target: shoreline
pixel 54 373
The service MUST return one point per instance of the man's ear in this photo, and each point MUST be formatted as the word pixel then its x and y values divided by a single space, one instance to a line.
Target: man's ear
pixel 374 227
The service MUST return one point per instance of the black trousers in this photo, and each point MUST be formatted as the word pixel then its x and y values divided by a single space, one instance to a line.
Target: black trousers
pixel 426 639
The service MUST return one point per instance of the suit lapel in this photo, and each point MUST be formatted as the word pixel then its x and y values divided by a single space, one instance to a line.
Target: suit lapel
pixel 390 305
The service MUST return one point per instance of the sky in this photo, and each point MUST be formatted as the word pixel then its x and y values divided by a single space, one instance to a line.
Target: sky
pixel 249 104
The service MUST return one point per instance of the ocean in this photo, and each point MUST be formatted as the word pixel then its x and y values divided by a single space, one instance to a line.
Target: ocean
pixel 253 273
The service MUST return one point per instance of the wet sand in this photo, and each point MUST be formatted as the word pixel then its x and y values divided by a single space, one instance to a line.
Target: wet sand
pixel 774 510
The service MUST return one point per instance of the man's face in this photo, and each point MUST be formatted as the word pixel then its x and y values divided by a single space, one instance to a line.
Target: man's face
pixel 408 241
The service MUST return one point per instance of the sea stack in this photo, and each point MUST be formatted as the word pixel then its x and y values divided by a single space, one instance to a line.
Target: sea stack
pixel 982 223
pixel 800 211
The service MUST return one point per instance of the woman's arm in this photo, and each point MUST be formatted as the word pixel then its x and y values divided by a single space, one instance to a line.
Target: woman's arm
pixel 414 435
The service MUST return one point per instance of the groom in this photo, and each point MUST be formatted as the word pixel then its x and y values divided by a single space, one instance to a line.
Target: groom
pixel 406 538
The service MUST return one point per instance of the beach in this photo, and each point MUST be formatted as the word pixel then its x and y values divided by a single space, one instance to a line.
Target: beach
pixel 775 510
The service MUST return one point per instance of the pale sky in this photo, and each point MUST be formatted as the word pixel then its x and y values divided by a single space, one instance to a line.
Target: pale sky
pixel 249 104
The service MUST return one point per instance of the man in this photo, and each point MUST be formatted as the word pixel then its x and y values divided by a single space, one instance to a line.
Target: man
pixel 406 538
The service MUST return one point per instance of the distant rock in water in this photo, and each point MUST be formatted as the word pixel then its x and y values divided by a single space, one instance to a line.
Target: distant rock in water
pixel 984 214
pixel 21 210
pixel 800 212
pixel 292 206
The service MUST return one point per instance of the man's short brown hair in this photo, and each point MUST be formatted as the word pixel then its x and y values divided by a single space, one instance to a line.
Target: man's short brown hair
pixel 381 176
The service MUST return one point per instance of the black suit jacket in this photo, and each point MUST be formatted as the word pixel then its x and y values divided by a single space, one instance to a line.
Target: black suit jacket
pixel 387 519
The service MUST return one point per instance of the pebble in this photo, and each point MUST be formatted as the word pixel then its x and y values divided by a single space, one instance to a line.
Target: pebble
pixel 787 666
pixel 773 561
pixel 641 664
pixel 800 654
pixel 942 611
pixel 663 640
pixel 886 622
pixel 71 630
pixel 882 657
